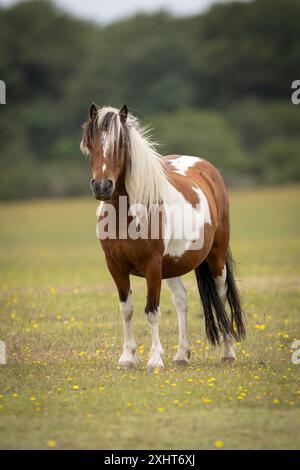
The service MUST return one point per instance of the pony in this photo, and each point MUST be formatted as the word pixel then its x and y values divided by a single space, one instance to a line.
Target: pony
pixel 133 180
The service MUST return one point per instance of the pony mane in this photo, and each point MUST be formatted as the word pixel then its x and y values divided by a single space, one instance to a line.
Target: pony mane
pixel 145 176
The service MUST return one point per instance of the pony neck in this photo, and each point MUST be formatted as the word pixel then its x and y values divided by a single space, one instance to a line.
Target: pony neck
pixel 120 189
pixel 145 177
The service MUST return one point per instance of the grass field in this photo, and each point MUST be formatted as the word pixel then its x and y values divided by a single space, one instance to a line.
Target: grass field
pixel 61 387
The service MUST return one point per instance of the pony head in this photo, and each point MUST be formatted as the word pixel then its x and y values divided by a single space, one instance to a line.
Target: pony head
pixel 120 150
pixel 105 140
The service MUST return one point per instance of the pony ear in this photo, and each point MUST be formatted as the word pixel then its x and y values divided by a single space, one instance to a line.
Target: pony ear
pixel 93 110
pixel 123 113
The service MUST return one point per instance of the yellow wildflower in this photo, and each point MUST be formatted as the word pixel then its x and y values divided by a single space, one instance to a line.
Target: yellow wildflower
pixel 218 444
pixel 260 326
pixel 51 444
pixel 207 401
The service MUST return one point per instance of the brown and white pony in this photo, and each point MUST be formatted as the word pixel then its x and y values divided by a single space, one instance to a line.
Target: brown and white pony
pixel 126 166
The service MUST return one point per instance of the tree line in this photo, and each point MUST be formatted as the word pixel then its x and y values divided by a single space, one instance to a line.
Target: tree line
pixel 217 85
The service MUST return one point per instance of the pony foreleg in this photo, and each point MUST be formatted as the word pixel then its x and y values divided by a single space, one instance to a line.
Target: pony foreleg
pixel 227 342
pixel 152 311
pixel 129 346
pixel 179 298
pixel 126 310
pixel 156 353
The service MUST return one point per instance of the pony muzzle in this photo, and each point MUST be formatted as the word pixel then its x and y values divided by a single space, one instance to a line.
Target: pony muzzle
pixel 102 190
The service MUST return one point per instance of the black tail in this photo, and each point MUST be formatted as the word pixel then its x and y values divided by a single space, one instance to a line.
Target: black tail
pixel 233 297
pixel 217 321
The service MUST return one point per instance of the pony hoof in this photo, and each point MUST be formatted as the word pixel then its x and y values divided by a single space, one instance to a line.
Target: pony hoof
pixel 228 360
pixel 181 360
pixel 153 366
pixel 126 365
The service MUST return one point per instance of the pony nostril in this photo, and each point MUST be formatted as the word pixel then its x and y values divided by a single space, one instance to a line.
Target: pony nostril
pixel 92 184
pixel 102 189
pixel 107 186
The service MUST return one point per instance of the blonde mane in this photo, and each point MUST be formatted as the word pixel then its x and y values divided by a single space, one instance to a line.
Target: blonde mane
pixel 145 177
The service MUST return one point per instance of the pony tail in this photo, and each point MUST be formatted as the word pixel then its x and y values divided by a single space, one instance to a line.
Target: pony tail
pixel 217 322
pixel 216 319
pixel 233 297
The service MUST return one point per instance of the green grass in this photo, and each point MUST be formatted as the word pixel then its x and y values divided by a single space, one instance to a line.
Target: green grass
pixel 63 333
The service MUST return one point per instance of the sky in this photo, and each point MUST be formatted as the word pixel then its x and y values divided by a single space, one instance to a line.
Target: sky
pixel 107 11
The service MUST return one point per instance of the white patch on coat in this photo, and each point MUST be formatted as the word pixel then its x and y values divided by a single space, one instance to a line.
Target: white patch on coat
pixel 183 163
pixel 103 167
pixel 184 223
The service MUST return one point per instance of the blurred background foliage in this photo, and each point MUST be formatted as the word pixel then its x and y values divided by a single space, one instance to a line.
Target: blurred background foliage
pixel 217 85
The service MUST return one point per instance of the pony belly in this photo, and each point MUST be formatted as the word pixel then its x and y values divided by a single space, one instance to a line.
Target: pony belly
pixel 174 266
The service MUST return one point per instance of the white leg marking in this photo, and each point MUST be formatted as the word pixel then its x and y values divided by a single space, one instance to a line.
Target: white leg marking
pixel 156 353
pixel 129 347
pixel 228 343
pixel 228 349
pixel 179 298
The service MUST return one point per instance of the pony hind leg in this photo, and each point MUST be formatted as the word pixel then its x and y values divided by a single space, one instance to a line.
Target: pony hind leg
pixel 221 268
pixel 179 297
pixel 227 341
